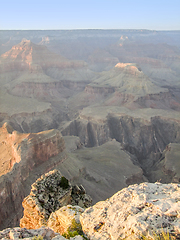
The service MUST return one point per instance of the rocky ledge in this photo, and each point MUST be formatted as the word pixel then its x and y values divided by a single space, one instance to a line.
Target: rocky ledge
pixel 135 211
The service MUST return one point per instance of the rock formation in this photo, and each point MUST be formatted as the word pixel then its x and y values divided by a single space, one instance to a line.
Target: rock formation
pixel 41 233
pixel 47 195
pixel 21 233
pixel 23 158
pixel 31 78
pixel 151 134
pixel 64 218
pixel 166 169
pixel 135 211
pixel 102 170
pixel 25 146
pixel 43 206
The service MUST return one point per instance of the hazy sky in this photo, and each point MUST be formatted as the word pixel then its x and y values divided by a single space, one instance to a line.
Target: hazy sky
pixel 90 14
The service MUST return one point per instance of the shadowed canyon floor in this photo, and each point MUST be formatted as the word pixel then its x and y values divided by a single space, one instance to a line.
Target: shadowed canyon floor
pixel 114 95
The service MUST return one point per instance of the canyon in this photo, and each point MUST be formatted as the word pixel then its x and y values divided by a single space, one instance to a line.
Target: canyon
pixel 101 106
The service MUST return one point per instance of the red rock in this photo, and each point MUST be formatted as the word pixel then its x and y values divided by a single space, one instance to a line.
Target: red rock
pixel 21 156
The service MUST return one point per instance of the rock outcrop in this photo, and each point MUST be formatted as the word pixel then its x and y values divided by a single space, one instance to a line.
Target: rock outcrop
pixel 43 206
pixel 47 195
pixel 135 211
pixel 21 233
pixel 64 218
pixel 23 158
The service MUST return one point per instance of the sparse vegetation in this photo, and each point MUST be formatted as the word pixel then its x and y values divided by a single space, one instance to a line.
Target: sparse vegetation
pixel 161 236
pixel 74 230
pixel 64 183
pixel 39 237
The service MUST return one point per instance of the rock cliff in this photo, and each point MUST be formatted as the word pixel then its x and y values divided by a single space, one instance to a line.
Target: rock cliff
pixel 23 158
pixel 141 133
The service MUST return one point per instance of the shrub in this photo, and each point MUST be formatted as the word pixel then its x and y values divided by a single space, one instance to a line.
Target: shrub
pixel 64 183
pixel 74 230
pixel 39 237
pixel 70 234
pixel 161 236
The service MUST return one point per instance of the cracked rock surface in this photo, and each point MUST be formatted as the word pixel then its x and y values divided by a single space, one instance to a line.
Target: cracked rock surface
pixel 135 211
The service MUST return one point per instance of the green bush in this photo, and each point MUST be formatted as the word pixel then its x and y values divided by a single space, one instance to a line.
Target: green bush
pixel 161 236
pixel 75 227
pixel 70 234
pixel 74 230
pixel 64 183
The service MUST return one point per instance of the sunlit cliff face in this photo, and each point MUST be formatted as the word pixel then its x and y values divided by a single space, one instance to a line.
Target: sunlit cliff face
pixel 15 146
pixel 9 146
pixel 27 55
pixel 133 68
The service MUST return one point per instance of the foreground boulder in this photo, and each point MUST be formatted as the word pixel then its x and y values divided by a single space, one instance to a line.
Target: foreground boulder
pixel 66 218
pixel 135 211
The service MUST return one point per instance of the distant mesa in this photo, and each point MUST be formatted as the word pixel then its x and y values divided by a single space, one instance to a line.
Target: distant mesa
pixel 26 53
pixel 24 41
pixel 123 38
pixel 132 66
pixel 127 78
pixel 45 40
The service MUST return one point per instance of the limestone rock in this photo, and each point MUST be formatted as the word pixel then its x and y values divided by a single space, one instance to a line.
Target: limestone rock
pixel 62 219
pixel 30 234
pixel 47 195
pixel 23 233
pixel 135 211
pixel 79 197
pixel 43 206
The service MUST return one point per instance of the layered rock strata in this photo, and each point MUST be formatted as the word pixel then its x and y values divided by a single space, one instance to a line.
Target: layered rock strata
pixel 135 211
pixel 23 158
pixel 151 133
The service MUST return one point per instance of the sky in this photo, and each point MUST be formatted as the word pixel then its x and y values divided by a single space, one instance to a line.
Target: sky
pixel 89 14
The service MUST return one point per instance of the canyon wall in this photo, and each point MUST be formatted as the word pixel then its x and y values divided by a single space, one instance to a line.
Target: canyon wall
pixel 25 157
pixel 146 139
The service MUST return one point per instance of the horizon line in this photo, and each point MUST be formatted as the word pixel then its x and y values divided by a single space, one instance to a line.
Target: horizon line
pixel 75 29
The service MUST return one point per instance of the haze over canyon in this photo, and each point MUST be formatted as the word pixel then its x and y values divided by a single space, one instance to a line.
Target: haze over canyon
pixel 101 106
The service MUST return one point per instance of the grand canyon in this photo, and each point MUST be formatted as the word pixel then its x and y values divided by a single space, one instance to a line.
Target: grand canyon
pixel 100 106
